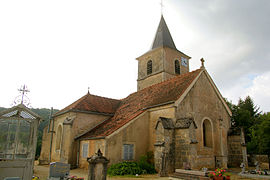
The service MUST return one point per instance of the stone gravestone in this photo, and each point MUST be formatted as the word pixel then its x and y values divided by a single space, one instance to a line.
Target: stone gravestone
pixel 163 166
pixel 186 165
pixel 243 166
pixel 97 167
pixel 58 170
pixel 257 164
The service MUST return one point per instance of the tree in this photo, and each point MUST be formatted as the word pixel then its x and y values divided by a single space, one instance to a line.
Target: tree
pixel 256 125
pixel 245 114
pixel 44 114
pixel 260 133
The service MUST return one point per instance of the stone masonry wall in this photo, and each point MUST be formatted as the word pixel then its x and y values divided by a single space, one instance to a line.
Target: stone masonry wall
pixel 68 151
pixel 202 103
pixel 44 154
pixel 235 151
pixel 163 67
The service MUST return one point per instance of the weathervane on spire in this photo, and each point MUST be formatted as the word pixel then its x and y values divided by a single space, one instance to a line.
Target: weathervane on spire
pixel 161 7
pixel 22 98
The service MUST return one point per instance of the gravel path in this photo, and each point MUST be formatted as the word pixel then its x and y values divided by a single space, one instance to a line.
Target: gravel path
pixel 43 171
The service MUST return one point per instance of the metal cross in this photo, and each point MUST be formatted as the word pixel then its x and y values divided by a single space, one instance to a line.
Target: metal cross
pixel 23 91
pixel 161 6
pixel 202 60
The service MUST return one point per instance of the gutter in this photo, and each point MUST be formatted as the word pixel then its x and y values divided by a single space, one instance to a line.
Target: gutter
pixel 81 111
pixel 93 138
pixel 161 104
pixel 78 136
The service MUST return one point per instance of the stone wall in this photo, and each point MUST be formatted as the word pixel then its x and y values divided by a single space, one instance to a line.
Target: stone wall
pixel 73 124
pixel 164 152
pixel 150 80
pixel 203 103
pixel 45 151
pixel 135 132
pixel 182 148
pixel 236 148
pixel 163 67
pixel 167 111
pixel 93 147
pixel 262 159
pixel 156 56
pixel 170 56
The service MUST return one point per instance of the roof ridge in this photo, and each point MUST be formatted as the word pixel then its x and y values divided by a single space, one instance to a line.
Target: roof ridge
pixel 171 79
pixel 84 100
pixel 134 104
pixel 104 97
pixel 157 84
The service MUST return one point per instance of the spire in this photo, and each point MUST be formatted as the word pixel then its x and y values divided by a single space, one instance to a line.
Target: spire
pixel 163 36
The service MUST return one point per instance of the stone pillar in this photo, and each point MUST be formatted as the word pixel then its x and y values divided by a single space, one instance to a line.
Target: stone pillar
pixel 97 167
pixel 164 146
pixel 236 147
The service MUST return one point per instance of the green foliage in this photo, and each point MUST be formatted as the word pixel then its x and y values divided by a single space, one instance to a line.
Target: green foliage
pixel 245 114
pixel 260 133
pixel 144 166
pixel 44 114
pixel 124 168
pixel 146 163
pixel 256 125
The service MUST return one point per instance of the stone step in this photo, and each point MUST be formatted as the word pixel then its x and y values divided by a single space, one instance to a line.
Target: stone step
pixel 187 176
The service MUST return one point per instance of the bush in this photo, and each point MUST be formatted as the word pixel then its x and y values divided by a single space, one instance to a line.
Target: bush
pixel 124 168
pixel 146 164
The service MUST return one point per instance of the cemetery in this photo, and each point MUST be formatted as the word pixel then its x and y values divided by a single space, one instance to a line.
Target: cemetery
pixel 18 145
pixel 18 138
pixel 177 125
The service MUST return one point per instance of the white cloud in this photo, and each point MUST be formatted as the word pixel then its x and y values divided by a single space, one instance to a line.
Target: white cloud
pixel 260 91
pixel 60 48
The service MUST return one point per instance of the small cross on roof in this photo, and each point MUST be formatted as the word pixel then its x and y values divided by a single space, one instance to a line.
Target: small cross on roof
pixel 202 60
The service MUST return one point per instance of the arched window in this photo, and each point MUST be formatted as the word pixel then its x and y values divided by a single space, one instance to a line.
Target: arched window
pixel 58 137
pixel 177 67
pixel 149 67
pixel 207 133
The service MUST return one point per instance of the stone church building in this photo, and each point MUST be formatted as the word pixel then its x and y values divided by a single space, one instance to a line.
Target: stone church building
pixel 178 115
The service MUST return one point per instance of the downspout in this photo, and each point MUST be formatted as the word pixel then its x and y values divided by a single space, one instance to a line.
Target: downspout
pixel 52 131
pixel 78 152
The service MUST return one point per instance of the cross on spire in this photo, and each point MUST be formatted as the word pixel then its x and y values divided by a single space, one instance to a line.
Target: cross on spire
pixel 161 6
pixel 23 91
pixel 202 61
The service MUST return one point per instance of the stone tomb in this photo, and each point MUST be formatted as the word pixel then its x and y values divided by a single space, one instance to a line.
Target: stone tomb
pixel 59 170
pixel 97 167
pixel 190 174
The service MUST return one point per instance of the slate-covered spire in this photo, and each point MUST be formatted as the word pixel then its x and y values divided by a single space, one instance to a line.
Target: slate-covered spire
pixel 163 36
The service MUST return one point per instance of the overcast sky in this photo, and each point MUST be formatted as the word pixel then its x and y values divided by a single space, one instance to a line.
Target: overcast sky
pixel 60 48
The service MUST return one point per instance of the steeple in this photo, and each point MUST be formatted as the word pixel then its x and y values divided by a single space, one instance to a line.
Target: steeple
pixel 163 61
pixel 163 36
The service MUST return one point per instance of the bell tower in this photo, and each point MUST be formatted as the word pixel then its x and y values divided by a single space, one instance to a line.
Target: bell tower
pixel 163 61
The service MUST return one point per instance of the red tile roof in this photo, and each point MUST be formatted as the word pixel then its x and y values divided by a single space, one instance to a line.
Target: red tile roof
pixel 136 103
pixel 92 103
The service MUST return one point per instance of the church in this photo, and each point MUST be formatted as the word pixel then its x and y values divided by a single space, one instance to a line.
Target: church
pixel 178 115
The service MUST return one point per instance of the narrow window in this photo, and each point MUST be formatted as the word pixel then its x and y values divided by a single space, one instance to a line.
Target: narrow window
pixel 149 67
pixel 85 150
pixel 177 67
pixel 207 133
pixel 128 151
pixel 204 134
pixel 58 137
